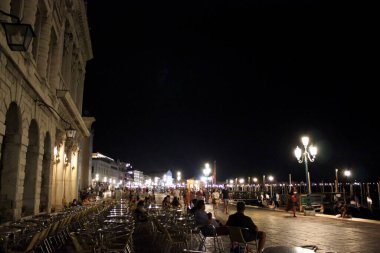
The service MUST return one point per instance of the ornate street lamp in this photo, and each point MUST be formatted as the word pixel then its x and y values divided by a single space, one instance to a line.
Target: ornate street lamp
pixel 18 35
pixel 305 156
pixel 271 178
pixel 207 172
pixel 255 183
pixel 347 174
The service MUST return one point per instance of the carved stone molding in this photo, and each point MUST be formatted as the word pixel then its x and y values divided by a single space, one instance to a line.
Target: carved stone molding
pixel 71 146
pixel 60 137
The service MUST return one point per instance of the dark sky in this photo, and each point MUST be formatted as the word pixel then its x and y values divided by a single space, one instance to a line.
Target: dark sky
pixel 176 84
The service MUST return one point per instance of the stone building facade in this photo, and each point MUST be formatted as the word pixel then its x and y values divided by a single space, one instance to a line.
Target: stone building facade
pixel 41 95
pixel 105 169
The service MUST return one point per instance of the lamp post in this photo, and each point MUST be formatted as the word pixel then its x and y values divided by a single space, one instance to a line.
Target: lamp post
pixel 264 188
pixel 347 174
pixel 206 172
pixel 179 177
pixel 270 178
pixel 255 181
pixel 241 182
pixel 304 156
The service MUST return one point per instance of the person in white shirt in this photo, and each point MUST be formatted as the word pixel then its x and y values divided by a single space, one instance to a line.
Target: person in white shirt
pixel 176 193
pixel 215 199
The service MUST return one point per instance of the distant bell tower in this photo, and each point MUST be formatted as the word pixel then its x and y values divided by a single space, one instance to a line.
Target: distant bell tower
pixel 214 173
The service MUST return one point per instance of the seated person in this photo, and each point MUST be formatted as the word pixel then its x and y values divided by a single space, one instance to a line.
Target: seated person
pixel 175 203
pixel 140 212
pixel 271 204
pixel 265 203
pixel 75 202
pixel 204 220
pixel 212 221
pixel 166 202
pixel 344 211
pixel 251 232
pixel 193 206
pixel 201 217
pixel 86 201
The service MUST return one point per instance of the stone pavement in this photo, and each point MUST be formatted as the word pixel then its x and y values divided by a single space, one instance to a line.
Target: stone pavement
pixel 328 233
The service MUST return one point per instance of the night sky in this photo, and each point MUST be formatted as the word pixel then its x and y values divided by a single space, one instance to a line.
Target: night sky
pixel 175 84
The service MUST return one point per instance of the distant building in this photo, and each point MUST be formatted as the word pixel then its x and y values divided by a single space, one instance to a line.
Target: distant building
pixel 168 178
pixel 138 177
pixel 106 170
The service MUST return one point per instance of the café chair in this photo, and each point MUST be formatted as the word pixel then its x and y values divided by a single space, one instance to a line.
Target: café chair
pixel 236 236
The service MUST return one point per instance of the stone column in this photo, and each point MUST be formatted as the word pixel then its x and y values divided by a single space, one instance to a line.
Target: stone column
pixel 71 187
pixel 85 172
pixel 57 182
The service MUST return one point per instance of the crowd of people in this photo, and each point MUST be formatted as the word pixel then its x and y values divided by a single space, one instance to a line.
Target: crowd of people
pixel 194 202
pixel 210 226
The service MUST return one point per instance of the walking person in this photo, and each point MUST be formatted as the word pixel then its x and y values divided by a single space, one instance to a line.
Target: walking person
pixel 226 197
pixel 292 202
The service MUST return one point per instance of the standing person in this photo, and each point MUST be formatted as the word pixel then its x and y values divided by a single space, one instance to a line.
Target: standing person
pixel 185 196
pixel 176 193
pixel 238 219
pixel 369 202
pixel 215 199
pixel 200 194
pixel 292 202
pixel 277 200
pixel 226 197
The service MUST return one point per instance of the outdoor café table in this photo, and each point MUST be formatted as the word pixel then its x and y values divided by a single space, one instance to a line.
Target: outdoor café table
pixel 41 221
pixel 117 221
pixel 115 216
pixel 286 249
pixel 117 212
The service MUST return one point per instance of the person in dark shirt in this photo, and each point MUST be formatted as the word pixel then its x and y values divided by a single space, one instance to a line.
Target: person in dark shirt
pixel 193 206
pixel 226 197
pixel 140 212
pixel 175 203
pixel 251 232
